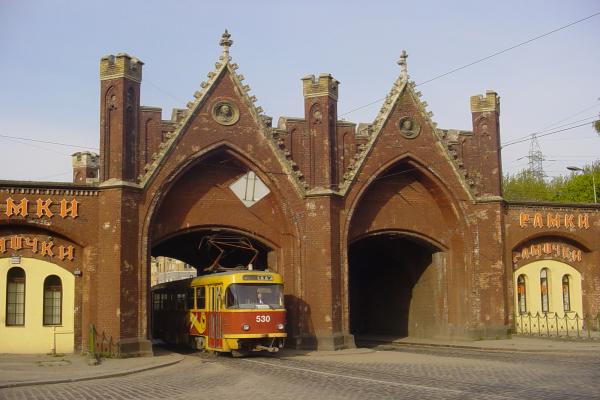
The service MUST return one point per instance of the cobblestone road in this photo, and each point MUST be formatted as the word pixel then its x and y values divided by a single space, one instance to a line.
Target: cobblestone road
pixel 406 373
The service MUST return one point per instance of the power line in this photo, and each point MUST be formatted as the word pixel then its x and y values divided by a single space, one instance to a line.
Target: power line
pixel 540 133
pixel 48 142
pixel 545 134
pixel 483 59
pixel 510 48
pixel 596 104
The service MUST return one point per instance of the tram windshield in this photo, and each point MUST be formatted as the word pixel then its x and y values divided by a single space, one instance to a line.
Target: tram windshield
pixel 254 296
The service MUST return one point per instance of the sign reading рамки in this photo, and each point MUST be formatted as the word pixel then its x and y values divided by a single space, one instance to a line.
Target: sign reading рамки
pixel 554 220
pixel 41 208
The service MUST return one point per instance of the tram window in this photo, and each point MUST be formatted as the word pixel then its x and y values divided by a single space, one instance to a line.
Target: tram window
pixel 156 301
pixel 190 298
pixel 201 297
pixel 180 301
pixel 166 304
pixel 253 296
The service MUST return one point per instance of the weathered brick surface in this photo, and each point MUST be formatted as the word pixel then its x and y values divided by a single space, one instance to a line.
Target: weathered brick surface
pixel 332 183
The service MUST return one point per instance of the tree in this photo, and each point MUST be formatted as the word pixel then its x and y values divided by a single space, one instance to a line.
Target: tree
pixel 525 185
pixel 574 188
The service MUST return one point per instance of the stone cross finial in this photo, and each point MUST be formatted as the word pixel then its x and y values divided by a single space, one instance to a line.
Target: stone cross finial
pixel 403 65
pixel 226 42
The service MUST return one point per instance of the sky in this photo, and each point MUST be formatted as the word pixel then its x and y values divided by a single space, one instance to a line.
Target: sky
pixel 50 53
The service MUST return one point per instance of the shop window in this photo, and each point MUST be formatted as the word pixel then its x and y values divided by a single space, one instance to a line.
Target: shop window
pixel 522 294
pixel 52 300
pixel 566 293
pixel 15 297
pixel 544 290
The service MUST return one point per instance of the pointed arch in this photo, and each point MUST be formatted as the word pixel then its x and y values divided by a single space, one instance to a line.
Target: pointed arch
pixel 417 167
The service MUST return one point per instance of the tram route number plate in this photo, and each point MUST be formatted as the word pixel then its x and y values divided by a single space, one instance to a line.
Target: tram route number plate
pixel 263 318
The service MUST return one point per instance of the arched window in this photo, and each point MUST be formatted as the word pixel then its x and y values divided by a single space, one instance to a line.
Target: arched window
pixel 15 297
pixel 521 294
pixel 544 289
pixel 566 293
pixel 52 300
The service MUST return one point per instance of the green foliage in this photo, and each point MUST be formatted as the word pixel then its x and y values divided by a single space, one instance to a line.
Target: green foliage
pixel 526 186
pixel 575 188
pixel 597 125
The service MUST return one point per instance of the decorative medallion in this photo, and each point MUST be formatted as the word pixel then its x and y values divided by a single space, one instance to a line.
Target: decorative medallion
pixel 409 128
pixel 225 113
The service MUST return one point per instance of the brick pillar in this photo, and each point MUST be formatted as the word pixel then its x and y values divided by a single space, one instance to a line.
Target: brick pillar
pixel 491 271
pixel 320 109
pixel 85 167
pixel 486 129
pixel 322 269
pixel 118 285
pixel 120 79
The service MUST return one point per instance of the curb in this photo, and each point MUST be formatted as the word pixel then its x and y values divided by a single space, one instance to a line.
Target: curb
pixel 89 378
pixel 477 348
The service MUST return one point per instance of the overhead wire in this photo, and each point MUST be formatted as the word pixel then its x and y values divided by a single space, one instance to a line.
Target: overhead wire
pixel 497 53
pixel 542 135
pixel 47 142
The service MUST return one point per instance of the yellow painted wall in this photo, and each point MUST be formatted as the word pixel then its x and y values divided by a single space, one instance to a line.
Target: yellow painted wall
pixel 34 337
pixel 556 271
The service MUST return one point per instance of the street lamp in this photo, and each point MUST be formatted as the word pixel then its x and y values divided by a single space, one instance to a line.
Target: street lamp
pixel 572 168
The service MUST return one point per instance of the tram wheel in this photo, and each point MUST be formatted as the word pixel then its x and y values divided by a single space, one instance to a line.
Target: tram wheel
pixel 238 353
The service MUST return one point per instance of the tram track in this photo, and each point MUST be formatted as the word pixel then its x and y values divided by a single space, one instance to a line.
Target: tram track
pixel 380 375
pixel 374 381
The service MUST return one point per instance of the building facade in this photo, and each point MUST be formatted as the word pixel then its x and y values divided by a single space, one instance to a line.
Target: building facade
pixel 391 228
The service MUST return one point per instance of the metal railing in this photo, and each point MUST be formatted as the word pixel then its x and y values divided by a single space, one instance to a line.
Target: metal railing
pixel 567 325
pixel 101 345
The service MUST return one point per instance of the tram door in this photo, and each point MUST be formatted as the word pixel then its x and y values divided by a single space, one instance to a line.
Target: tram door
pixel 215 323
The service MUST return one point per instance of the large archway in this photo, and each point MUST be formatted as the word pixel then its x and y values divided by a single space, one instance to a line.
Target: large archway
pixel 222 194
pixel 394 286
pixel 203 246
pixel 405 238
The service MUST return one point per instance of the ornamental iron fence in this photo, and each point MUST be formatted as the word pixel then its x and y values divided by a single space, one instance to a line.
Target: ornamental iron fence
pixel 568 325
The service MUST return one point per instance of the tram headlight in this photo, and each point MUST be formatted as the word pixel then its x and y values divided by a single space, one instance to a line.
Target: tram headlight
pixel 245 327
pixel 280 326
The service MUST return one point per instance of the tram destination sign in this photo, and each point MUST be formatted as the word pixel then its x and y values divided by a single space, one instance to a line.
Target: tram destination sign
pixel 249 277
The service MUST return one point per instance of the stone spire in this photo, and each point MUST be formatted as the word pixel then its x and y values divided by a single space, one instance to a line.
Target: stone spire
pixel 226 43
pixel 403 65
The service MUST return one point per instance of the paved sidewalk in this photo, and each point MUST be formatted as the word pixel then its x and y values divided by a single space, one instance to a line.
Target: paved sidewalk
pixel 516 343
pixel 32 369
pixel 25 370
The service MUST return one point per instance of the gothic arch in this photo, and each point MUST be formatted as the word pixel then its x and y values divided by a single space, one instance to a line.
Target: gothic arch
pixel 437 243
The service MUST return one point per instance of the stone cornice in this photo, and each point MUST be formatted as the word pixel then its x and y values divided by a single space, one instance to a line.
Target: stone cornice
pixel 116 183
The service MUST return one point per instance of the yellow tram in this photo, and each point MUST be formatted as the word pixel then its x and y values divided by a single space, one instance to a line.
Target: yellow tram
pixel 238 311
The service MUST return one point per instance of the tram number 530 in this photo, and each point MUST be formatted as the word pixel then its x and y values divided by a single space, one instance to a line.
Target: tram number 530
pixel 263 318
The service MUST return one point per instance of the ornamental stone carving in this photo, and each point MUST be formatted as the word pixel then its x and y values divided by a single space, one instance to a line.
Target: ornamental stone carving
pixel 225 113
pixel 409 128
